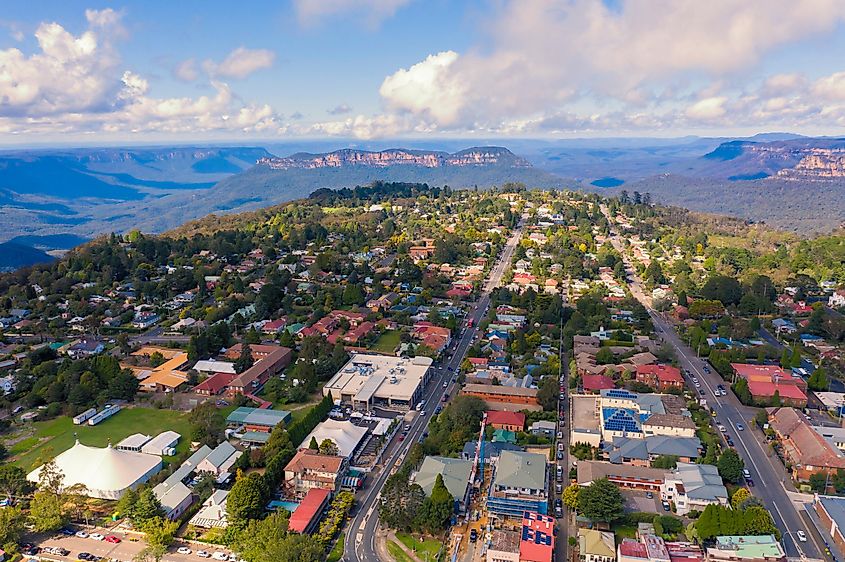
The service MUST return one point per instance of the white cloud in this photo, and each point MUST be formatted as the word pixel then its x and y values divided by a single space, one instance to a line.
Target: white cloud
pixel 75 84
pixel 708 109
pixel 186 70
pixel 240 63
pixel 428 87
pixel 371 12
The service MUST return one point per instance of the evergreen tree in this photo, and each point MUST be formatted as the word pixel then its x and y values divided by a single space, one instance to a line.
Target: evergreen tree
pixel 244 360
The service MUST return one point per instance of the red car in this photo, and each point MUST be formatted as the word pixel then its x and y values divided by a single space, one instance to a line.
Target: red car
pixel 112 539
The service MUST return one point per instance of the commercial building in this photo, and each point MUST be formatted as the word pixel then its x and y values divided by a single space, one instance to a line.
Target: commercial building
pixel 596 546
pixel 624 476
pixel 311 469
pixel 640 452
pixel 257 419
pixel 764 548
pixel 369 380
pixel 519 484
pixel 212 514
pixel 500 397
pixel 628 414
pixel 306 517
pixel 831 513
pixel 504 546
pixel 106 472
pixel 163 444
pixel 346 435
pixel 694 487
pixel 270 360
pixel 456 475
pixel 651 548
pixel 764 381
pixel 586 425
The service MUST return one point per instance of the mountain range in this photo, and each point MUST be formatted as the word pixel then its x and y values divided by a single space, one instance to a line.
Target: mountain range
pixel 54 199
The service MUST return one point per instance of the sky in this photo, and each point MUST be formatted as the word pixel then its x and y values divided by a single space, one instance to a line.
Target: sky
pixel 161 71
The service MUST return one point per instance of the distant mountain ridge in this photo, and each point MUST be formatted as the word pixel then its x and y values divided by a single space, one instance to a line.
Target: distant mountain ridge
pixel 348 157
pixel 804 159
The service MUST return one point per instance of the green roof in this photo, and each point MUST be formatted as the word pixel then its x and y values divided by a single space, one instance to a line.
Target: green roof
pixel 747 546
pixel 521 470
pixel 504 436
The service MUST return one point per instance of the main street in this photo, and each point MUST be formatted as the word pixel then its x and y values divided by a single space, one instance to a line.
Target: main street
pixel 361 531
pixel 766 471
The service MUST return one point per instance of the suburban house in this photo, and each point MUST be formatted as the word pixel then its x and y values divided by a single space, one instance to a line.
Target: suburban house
pixel 311 469
pixel 220 460
pixel 803 447
pixel 764 381
pixel 509 421
pixel 660 377
pixel 456 475
pixel 694 487
pixel 640 452
pixel 596 546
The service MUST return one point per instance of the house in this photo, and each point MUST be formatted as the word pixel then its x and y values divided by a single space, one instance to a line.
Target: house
pixel 212 514
pixel 805 449
pixel 640 452
pixel 837 299
pixel 543 427
pixel 215 384
pixel 85 348
pixel 7 384
pixel 651 548
pixel 311 469
pixel 456 474
pixel 660 377
pixel 510 421
pixel 220 460
pixel 694 487
pixel 764 381
pixel 384 302
pixel 596 546
pixel 520 484
pixel 274 326
pixel 764 548
pixel 593 384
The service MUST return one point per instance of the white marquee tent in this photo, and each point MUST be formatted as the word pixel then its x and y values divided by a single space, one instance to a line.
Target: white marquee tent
pixel 106 472
pixel 346 435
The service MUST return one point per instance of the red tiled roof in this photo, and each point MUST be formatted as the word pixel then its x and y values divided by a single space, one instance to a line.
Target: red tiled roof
pixel 311 507
pixel 597 382
pixel 308 459
pixel 215 383
pixel 537 543
pixel 633 548
pixel 664 373
pixel 745 371
pixel 498 417
pixel 785 390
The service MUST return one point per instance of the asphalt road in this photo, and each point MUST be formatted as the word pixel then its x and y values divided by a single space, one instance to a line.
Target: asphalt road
pixel 768 473
pixel 362 529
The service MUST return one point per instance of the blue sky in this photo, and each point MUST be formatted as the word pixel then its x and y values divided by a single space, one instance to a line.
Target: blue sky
pixel 369 69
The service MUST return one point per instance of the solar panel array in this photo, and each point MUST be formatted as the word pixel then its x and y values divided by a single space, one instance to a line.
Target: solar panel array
pixel 621 393
pixel 622 420
pixel 537 537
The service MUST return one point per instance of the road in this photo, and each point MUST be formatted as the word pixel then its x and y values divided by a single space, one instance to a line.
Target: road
pixel 361 532
pixel 767 472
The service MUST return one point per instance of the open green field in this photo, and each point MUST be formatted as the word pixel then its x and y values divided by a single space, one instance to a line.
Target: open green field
pixel 397 553
pixel 426 549
pixel 55 436
pixel 387 342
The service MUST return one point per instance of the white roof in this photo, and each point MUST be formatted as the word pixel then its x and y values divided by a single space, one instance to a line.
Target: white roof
pixel 106 472
pixel 134 441
pixel 160 442
pixel 389 378
pixel 345 434
pixel 211 366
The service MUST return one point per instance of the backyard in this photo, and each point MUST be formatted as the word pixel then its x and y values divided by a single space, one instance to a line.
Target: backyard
pixel 52 437
pixel 387 342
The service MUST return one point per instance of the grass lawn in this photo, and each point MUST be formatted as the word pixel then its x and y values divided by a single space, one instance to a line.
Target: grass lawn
pixel 337 550
pixel 624 532
pixel 422 547
pixel 387 342
pixel 57 435
pixel 397 553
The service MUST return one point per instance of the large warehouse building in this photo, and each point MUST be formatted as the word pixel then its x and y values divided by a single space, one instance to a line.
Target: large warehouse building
pixel 369 380
pixel 105 472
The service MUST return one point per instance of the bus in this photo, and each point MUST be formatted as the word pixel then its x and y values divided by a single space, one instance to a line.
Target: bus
pixel 469 322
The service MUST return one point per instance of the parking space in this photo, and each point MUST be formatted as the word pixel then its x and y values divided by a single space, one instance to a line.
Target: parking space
pixel 637 501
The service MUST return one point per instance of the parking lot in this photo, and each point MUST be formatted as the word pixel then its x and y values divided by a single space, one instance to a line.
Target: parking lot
pixel 124 551
pixel 636 500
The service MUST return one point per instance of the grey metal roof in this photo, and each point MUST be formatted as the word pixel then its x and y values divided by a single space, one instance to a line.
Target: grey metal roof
pixel 220 454
pixel 701 481
pixel 455 472
pixel 521 470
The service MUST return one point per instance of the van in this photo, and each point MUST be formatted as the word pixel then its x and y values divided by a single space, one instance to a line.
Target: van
pixel 559 473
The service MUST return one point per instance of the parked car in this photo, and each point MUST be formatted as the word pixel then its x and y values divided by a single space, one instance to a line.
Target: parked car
pixel 203 554
pixel 220 555
pixel 112 539
pixel 96 536
pixel 183 550
pixel 649 495
pixel 473 535
pixel 801 535
pixel 666 506
pixel 82 534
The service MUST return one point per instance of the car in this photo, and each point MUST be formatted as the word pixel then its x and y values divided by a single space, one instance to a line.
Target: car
pixel 560 435
pixel 701 391
pixel 558 488
pixel 422 412
pixel 722 428
pixel 183 550
pixel 801 535
pixel 60 551
pixel 82 534
pixel 558 511
pixel 697 384
pixel 445 384
pixel 96 536
pixel 739 427
pixel 560 455
pixel 29 549
pixel 220 555
pixel 203 554
pixel 746 473
pixel 67 531
pixel 649 495
pixel 401 437
pixel 438 409
pixel 666 506
pixel 85 556
pixel 749 482
pixel 473 535
pixel 112 539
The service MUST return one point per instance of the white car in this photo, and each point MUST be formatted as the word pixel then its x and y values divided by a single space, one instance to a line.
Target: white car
pixel 82 534
pixel 220 556
pixel 96 536
pixel 801 536
pixel 183 550
pixel 203 554
pixel 739 427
